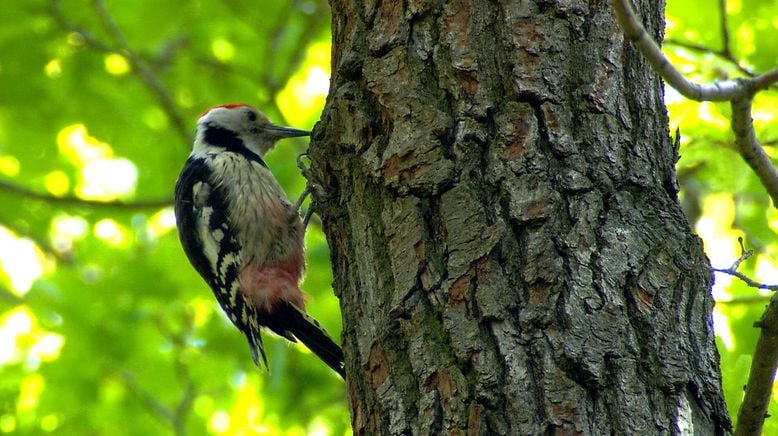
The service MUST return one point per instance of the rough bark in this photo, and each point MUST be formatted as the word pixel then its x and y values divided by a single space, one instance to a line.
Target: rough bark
pixel 506 238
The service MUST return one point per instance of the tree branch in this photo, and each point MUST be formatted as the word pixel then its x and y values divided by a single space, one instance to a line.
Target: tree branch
pixel 634 31
pixel 748 281
pixel 753 410
pixel 765 80
pixel 90 39
pixel 738 92
pixel 151 81
pixel 732 270
pixel 11 188
pixel 136 62
pixel 749 147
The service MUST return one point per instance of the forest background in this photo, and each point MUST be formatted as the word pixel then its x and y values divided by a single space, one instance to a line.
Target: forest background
pixel 104 326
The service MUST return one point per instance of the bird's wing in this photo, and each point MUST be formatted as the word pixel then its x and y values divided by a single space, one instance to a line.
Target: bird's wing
pixel 212 247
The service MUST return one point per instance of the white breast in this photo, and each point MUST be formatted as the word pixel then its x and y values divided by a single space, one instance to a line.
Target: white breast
pixel 261 216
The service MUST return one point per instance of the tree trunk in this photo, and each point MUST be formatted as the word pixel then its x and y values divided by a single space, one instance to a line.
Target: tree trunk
pixel 506 237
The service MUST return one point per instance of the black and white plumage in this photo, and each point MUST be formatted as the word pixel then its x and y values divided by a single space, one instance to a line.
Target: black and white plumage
pixel 242 234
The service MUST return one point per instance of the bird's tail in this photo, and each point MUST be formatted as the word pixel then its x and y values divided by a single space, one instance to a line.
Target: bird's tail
pixel 298 324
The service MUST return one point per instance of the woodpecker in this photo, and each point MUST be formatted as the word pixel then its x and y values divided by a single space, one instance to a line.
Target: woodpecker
pixel 242 234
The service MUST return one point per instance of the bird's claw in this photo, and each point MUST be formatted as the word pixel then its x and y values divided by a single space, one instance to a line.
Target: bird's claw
pixel 310 186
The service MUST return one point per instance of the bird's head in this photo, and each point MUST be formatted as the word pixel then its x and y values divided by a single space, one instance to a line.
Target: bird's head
pixel 238 126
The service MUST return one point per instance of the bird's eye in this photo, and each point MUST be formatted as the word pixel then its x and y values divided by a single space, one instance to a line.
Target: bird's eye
pixel 252 116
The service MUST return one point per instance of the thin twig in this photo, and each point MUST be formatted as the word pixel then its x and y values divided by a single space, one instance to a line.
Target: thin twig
pixel 717 91
pixel 148 400
pixel 88 37
pixel 748 281
pixel 183 408
pixel 707 50
pixel 744 254
pixel 733 269
pixel 136 61
pixel 75 201
pixel 753 410
pixel 725 46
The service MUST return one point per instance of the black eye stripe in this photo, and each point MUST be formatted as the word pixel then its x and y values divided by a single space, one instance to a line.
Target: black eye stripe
pixel 252 116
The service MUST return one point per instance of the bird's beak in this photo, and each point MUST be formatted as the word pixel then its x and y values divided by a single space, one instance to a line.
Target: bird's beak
pixel 286 132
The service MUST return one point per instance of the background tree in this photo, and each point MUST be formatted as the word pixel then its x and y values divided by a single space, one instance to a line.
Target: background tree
pixel 103 328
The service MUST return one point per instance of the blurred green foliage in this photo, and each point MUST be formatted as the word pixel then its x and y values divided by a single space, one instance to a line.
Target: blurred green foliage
pixel 105 329
pixel 721 196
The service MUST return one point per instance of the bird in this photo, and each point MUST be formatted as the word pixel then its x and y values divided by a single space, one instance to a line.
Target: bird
pixel 242 234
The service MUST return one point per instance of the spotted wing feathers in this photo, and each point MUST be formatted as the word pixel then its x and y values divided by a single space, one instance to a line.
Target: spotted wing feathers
pixel 212 246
